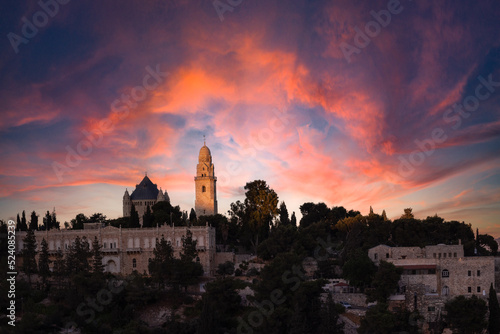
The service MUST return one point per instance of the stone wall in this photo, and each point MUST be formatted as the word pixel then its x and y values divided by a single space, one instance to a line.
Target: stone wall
pixel 126 250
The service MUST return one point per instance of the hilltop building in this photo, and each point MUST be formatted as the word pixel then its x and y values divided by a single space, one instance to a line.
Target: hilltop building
pixel 128 249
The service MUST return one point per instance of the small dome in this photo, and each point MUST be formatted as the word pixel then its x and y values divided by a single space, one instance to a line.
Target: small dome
pixel 205 155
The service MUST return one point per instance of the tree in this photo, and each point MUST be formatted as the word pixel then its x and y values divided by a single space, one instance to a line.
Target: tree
pixel 494 308
pixel 487 245
pixel 226 268
pixel 54 223
pixel 47 221
pixel 161 264
pixel 329 315
pixel 378 319
pixel 24 226
pixel 385 282
pixel 97 266
pixel 134 221
pixel 77 260
pixel 59 265
pixel 78 221
pixel 283 212
pixel 29 252
pixel 221 303
pixel 187 272
pixel 408 214
pixel 313 213
pixel 466 315
pixel 192 217
pixel 359 269
pixel 165 213
pixel 34 221
pixel 293 219
pixel 44 262
pixel 256 213
pixel 97 218
pixel 18 223
pixel 148 218
pixel 281 239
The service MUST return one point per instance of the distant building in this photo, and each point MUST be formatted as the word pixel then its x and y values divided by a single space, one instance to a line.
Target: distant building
pixel 434 274
pixel 145 194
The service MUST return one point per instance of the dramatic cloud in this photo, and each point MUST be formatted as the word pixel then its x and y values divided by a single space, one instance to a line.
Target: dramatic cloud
pixel 105 92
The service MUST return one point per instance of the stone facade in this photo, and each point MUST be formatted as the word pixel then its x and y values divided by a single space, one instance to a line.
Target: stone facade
pixel 205 184
pixel 128 249
pixel 434 274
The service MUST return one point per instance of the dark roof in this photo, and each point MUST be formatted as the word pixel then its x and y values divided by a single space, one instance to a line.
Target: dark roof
pixel 145 190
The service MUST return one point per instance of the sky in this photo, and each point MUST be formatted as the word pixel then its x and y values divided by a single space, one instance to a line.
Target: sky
pixel 356 103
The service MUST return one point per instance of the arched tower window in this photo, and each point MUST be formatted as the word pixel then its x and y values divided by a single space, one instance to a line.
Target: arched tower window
pixel 203 189
pixel 445 273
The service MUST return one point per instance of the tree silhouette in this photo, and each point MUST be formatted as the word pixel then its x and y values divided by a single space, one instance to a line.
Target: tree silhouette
pixel 29 252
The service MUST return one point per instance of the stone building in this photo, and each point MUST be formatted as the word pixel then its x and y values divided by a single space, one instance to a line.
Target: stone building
pixel 434 274
pixel 205 184
pixel 127 249
pixel 145 194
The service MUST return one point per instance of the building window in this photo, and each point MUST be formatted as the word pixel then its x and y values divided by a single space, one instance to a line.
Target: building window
pixel 449 254
pixel 478 289
pixel 445 291
pixel 444 255
pixel 203 189
pixel 469 289
pixel 375 256
pixel 434 255
pixel 134 263
pixel 386 255
pixel 431 309
pixel 439 255
pixel 479 273
pixel 469 273
pixel 445 273
pixel 454 254
pixel 104 245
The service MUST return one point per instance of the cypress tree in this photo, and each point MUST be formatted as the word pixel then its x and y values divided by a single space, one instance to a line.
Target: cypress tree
pixel 29 252
pixel 34 221
pixel 44 261
pixel 134 217
pixel 494 308
pixel 97 266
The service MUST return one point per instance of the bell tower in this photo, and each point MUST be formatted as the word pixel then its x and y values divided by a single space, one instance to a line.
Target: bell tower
pixel 205 180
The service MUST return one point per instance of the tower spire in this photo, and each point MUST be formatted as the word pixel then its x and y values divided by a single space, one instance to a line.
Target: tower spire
pixel 204 143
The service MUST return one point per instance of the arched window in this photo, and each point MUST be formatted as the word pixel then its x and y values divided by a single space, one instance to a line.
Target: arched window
pixel 445 291
pixel 203 189
pixel 134 263
pixel 445 273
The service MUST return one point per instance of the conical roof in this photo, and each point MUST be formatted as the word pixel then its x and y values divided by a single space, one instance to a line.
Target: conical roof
pixel 146 190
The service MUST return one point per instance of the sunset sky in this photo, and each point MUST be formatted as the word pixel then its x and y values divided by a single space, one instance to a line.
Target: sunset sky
pixel 353 103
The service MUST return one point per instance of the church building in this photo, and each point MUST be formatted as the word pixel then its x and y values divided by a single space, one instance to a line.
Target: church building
pixel 145 194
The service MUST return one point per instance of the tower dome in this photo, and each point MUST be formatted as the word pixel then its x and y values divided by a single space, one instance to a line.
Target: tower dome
pixel 205 155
